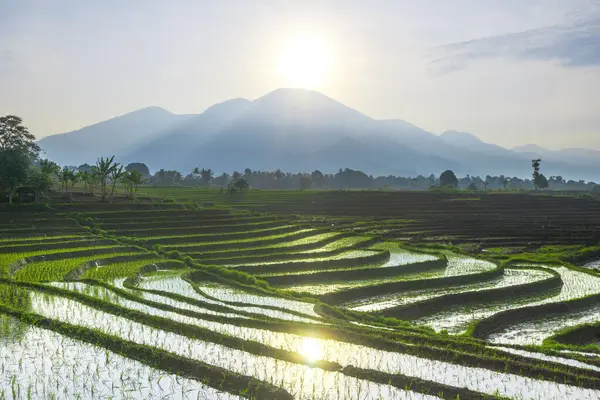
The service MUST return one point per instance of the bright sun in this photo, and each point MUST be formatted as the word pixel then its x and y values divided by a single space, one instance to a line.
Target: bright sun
pixel 304 63
pixel 311 349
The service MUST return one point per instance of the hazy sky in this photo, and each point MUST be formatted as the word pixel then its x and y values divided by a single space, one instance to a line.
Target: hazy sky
pixel 510 71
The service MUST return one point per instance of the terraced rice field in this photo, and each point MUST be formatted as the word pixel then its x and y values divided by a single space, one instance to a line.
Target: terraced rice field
pixel 165 300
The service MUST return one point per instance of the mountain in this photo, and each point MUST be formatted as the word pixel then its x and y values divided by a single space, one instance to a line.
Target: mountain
pixel 294 118
pixel 299 130
pixel 531 148
pixel 171 148
pixel 469 141
pixel 116 136
pixel 574 156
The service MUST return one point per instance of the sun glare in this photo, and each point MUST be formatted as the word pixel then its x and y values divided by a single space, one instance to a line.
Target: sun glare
pixel 311 349
pixel 304 63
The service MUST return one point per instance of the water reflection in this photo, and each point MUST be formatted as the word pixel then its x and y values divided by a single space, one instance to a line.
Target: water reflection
pixel 312 349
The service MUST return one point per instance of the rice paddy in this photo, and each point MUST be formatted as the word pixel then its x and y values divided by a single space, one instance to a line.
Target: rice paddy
pixel 183 301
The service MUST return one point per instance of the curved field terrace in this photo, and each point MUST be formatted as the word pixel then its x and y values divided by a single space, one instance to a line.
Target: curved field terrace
pixel 301 295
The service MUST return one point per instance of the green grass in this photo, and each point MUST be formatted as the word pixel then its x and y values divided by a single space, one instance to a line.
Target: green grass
pixel 227 317
pixel 48 271
pixel 7 259
pixel 117 270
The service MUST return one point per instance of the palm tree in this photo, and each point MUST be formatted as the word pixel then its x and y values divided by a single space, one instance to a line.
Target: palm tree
pixel 49 167
pixel 104 167
pixel 64 175
pixel 73 177
pixel 93 179
pixel 84 176
pixel 132 180
pixel 115 175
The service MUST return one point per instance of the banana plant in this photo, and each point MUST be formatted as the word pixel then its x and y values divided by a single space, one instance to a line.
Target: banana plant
pixel 104 168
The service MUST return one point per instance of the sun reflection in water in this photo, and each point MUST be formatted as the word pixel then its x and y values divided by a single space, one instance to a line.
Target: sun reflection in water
pixel 311 349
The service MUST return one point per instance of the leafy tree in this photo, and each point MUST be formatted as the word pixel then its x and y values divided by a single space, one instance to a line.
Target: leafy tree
pixel 238 186
pixel 241 184
pixel 195 175
pixel 85 168
pixel 14 167
pixel 540 182
pixel 206 175
pixel 236 175
pixel 472 187
pixel 39 181
pixel 447 178
pixel 17 153
pixel 14 136
pixel 351 179
pixel 166 177
pixel 305 182
pixel 41 176
pixel 140 167
pixel 48 167
pixel 536 172
pixel 115 175
pixel 317 178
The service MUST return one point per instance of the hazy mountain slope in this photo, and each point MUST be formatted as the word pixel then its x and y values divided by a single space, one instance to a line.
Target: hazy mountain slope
pixel 171 148
pixel 116 136
pixel 531 148
pixel 571 156
pixel 295 118
pixel 302 130
pixel 473 143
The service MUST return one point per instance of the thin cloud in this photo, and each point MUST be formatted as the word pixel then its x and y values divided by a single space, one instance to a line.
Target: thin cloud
pixel 576 44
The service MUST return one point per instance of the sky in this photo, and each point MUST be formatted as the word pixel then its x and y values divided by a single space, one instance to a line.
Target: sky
pixel 509 71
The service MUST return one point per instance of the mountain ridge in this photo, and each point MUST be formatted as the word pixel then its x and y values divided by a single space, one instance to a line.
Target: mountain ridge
pixel 297 128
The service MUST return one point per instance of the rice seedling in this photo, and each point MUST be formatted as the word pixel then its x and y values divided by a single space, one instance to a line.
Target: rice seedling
pixel 511 277
pixel 38 363
pixel 303 381
pixel 476 379
pixel 174 284
pixel 575 285
pixel 98 320
pixel 47 271
pixel 117 270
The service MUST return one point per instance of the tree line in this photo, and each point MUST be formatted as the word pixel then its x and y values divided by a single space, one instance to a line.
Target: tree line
pixel 21 169
pixel 352 179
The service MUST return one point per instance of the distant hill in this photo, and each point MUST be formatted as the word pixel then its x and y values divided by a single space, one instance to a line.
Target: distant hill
pixel 531 148
pixel 117 136
pixel 300 130
pixel 574 156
